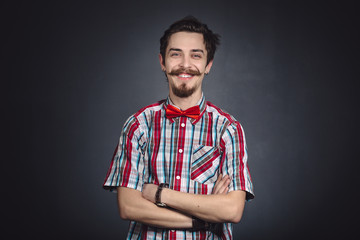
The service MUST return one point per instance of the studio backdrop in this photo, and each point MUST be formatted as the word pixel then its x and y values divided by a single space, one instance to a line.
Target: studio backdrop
pixel 75 71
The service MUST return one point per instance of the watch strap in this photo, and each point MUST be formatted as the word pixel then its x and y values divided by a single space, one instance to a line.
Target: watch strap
pixel 158 194
pixel 200 225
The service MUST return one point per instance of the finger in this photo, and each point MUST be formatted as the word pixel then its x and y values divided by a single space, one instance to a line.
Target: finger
pixel 217 182
pixel 228 181
pixel 220 188
pixel 222 182
pixel 219 185
pixel 224 189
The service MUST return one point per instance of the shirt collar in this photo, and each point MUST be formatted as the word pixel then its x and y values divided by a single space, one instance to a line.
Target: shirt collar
pixel 201 103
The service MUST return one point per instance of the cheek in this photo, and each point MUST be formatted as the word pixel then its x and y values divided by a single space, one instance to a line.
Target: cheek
pixel 201 65
pixel 172 61
pixel 202 68
pixel 170 66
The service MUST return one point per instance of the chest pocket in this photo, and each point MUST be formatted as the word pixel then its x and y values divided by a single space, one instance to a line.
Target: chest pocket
pixel 205 163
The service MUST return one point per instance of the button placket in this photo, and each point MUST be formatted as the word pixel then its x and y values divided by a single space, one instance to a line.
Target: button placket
pixel 180 152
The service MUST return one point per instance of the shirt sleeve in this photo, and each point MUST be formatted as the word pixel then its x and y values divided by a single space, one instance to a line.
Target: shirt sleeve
pixel 126 168
pixel 236 156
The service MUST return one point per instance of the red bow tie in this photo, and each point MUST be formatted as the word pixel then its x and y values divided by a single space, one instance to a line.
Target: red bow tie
pixel 172 112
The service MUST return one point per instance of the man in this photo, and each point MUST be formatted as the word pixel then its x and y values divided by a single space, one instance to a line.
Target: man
pixel 180 168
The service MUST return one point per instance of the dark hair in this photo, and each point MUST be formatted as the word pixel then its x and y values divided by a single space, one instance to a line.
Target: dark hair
pixel 191 24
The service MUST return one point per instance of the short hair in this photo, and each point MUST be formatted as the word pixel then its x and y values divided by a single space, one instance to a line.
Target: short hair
pixel 191 24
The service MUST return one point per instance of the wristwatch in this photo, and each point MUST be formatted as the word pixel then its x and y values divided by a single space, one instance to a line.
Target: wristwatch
pixel 158 195
pixel 200 225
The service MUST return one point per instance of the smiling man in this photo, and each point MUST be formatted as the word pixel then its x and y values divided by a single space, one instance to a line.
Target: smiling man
pixel 180 168
pixel 185 63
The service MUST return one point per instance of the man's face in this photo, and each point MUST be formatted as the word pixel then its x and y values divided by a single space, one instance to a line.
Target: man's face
pixel 185 63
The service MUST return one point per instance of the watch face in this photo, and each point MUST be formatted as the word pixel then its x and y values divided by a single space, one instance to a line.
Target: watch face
pixel 164 185
pixel 161 204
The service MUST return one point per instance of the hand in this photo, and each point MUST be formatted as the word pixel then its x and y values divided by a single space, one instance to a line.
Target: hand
pixel 149 191
pixel 222 185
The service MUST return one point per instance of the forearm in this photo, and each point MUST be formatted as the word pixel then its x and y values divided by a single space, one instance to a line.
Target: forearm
pixel 212 208
pixel 132 206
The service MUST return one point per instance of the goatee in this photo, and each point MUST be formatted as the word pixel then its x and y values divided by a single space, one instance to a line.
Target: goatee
pixel 182 91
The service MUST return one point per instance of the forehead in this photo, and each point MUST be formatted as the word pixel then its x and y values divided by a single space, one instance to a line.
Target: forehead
pixel 186 41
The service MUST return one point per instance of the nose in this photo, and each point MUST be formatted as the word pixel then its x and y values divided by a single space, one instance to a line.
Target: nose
pixel 185 61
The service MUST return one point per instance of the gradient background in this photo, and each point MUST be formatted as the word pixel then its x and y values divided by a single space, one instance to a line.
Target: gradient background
pixel 74 72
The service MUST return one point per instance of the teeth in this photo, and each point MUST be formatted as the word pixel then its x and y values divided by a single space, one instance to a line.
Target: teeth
pixel 184 75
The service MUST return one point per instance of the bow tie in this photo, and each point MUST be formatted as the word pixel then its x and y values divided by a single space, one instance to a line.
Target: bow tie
pixel 172 112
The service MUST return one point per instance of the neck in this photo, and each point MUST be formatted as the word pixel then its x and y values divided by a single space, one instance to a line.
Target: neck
pixel 185 103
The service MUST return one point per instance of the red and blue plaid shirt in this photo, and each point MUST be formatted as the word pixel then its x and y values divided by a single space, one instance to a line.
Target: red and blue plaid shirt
pixel 187 154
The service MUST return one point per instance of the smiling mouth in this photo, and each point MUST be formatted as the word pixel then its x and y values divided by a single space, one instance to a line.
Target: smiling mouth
pixel 185 73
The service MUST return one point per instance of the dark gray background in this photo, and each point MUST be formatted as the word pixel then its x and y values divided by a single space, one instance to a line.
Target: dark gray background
pixel 74 71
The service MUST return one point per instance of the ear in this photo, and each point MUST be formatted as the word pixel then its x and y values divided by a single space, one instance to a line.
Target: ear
pixel 163 68
pixel 208 67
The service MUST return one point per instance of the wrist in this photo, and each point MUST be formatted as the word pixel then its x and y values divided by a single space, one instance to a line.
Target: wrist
pixel 201 225
pixel 164 196
pixel 198 224
pixel 158 195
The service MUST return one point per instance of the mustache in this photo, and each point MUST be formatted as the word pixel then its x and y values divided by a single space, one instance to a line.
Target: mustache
pixel 184 70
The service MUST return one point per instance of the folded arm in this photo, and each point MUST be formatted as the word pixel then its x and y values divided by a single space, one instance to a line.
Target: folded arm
pixel 217 207
pixel 132 206
pixel 211 208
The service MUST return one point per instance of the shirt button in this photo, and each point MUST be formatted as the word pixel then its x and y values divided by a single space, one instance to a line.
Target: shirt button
pixel 177 177
pixel 180 150
pixel 183 124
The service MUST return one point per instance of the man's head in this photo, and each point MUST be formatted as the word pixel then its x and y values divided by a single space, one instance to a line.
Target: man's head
pixel 186 55
pixel 191 24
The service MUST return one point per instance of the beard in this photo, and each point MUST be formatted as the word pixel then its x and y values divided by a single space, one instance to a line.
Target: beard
pixel 182 91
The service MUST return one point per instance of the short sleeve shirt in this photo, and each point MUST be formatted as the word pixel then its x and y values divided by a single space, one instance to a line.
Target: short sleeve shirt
pixel 187 154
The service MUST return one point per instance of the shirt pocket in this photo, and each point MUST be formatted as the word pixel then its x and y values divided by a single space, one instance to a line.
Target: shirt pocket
pixel 205 163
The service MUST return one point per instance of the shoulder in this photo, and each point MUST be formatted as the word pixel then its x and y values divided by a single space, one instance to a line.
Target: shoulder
pixel 227 120
pixel 221 113
pixel 144 116
pixel 150 108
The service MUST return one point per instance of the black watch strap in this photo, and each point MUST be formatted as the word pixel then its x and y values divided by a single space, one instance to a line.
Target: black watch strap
pixel 200 225
pixel 158 194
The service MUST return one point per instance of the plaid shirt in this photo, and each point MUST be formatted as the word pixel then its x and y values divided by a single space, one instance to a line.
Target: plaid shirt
pixel 188 154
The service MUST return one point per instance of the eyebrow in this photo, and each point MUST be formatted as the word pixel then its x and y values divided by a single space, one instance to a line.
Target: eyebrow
pixel 175 49
pixel 179 50
pixel 197 50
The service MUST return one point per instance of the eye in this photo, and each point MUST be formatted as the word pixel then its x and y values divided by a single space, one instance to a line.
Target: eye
pixel 174 54
pixel 197 56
